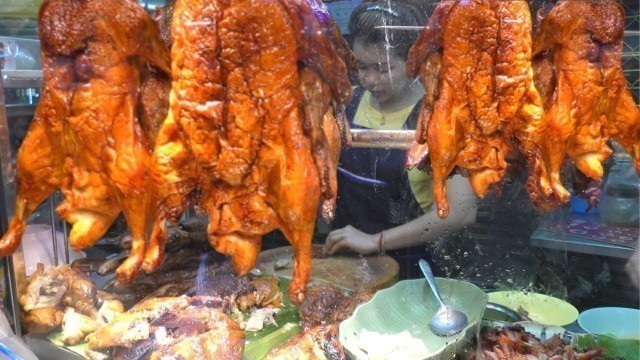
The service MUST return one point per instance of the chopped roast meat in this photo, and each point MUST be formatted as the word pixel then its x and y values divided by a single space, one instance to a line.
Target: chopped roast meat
pixel 48 294
pixel 256 90
pixel 42 320
pixel 76 326
pixel 579 67
pixel 190 233
pixel 265 293
pixel 320 302
pixel 346 308
pixel 514 343
pixel 327 304
pixel 89 134
pixel 221 282
pixel 474 58
pixel 174 328
pixel 317 343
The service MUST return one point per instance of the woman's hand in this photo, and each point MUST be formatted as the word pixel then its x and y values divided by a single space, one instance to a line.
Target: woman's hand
pixel 633 268
pixel 351 238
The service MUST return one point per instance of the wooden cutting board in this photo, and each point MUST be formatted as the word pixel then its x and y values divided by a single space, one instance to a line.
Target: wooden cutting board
pixel 349 272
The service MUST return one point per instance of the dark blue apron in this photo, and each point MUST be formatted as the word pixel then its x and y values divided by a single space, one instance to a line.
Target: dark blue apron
pixel 374 193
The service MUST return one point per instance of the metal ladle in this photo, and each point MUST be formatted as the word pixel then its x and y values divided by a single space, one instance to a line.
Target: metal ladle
pixel 446 321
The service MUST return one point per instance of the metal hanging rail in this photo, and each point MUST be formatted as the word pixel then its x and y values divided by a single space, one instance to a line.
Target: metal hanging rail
pixel 382 139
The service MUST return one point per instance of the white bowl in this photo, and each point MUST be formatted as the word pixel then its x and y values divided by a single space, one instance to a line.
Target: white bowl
pixel 37 246
pixel 621 322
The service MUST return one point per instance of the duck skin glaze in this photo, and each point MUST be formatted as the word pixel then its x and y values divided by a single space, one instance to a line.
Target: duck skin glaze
pixel 474 59
pixel 90 134
pixel 578 66
pixel 251 137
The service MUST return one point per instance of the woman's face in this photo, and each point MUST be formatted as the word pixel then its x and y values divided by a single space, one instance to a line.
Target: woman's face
pixel 380 72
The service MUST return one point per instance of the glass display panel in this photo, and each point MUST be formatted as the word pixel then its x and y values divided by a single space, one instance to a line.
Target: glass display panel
pixel 261 178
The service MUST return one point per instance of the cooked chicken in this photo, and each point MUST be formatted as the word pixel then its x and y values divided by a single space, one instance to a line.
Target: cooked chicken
pixel 265 293
pixel 244 139
pixel 580 49
pixel 42 320
pixel 134 324
pixel 171 328
pixel 86 138
pixel 320 302
pixel 225 340
pixel 76 326
pixel 318 343
pixel 43 289
pixel 485 101
pixel 109 310
pixel 49 293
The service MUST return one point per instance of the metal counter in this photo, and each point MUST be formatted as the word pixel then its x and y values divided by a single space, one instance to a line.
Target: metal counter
pixel 561 241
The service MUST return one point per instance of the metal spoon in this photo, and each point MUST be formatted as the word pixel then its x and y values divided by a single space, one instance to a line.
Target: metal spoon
pixel 446 321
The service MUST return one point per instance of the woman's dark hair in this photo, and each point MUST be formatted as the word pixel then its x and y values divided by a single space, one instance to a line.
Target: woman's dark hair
pixel 367 16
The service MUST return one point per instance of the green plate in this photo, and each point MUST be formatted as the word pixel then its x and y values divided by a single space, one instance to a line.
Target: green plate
pixel 543 309
pixel 20 9
pixel 407 307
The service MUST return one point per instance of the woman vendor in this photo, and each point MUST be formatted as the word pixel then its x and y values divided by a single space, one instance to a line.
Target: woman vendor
pixel 381 205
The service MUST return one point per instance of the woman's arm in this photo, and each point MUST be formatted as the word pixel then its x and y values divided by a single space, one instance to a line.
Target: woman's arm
pixel 421 230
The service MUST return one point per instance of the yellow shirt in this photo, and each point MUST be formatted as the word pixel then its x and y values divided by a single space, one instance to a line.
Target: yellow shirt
pixel 366 116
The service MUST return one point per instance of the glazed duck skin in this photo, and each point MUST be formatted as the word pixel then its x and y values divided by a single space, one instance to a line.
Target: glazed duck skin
pixel 250 136
pixel 474 58
pixel 579 67
pixel 86 138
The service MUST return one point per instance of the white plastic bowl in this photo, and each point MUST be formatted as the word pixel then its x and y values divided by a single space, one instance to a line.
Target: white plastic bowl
pixel 621 322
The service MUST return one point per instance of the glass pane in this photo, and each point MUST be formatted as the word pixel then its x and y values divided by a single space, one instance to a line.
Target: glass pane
pixel 268 166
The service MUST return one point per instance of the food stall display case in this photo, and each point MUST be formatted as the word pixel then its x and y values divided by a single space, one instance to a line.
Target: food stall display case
pixel 575 253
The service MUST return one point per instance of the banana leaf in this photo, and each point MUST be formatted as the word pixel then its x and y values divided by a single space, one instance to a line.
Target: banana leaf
pixel 614 347
pixel 257 344
pixel 19 9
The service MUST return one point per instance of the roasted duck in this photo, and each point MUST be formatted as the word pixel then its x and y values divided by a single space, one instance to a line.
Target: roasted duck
pixel 104 67
pixel 341 45
pixel 578 63
pixel 474 58
pixel 251 137
pixel 318 343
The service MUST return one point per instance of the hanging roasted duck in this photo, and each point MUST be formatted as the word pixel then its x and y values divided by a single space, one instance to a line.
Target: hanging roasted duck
pixel 251 137
pixel 104 68
pixel 474 59
pixel 578 64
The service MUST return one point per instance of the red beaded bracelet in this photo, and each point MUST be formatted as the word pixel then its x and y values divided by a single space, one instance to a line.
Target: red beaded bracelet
pixel 381 243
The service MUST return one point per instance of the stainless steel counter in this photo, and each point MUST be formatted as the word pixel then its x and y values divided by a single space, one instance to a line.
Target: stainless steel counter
pixel 561 241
